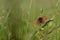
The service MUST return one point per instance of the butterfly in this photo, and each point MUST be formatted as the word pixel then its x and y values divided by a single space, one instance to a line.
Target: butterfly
pixel 41 20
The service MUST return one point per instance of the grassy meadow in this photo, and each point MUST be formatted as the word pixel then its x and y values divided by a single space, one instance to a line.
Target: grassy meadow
pixel 17 19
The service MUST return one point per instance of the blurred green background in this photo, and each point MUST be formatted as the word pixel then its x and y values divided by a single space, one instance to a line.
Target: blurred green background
pixel 17 19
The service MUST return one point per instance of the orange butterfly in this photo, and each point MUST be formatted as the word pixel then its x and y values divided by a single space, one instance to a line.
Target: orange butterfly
pixel 41 20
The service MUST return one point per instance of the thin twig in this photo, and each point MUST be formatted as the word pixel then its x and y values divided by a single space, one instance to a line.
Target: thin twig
pixel 46 23
pixel 44 37
pixel 53 29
